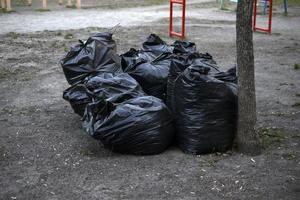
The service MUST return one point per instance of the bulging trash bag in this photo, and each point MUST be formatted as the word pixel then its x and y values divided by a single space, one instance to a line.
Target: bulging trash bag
pixel 180 62
pixel 156 45
pixel 205 110
pixel 142 125
pixel 95 55
pixel 114 88
pixel 152 76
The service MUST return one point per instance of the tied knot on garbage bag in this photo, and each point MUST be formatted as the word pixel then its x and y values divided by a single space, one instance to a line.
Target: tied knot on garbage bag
pixel 144 100
pixel 97 54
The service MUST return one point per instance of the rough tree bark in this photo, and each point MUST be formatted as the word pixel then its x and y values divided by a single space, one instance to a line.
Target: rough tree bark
pixel 247 137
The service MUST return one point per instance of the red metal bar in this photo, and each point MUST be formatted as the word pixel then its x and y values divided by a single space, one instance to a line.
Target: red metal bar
pixel 171 32
pixel 270 16
pixel 254 14
pixel 269 28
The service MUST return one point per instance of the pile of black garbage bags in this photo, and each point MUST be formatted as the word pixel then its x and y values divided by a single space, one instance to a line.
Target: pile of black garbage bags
pixel 145 100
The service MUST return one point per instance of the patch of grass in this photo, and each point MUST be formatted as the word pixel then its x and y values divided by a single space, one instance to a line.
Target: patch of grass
pixel 5 73
pixel 85 152
pixel 297 104
pixel 270 136
pixel 2 152
pixel 42 10
pixel 13 35
pixel 297 94
pixel 69 36
pixel 289 156
pixel 296 66
pixel 71 6
pixel 20 2
pixel 290 2
pixel 27 77
pixel 3 10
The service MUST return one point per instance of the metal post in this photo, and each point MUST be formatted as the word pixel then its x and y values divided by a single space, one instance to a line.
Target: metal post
pixel 269 28
pixel 285 7
pixel 254 14
pixel 222 4
pixel 265 6
pixel 183 20
pixel 78 4
pixel 270 15
pixel 172 33
pixel 171 19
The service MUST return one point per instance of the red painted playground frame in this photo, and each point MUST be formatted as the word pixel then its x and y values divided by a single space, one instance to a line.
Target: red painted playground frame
pixel 171 32
pixel 269 28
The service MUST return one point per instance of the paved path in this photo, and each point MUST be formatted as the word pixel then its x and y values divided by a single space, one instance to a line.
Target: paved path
pixel 63 19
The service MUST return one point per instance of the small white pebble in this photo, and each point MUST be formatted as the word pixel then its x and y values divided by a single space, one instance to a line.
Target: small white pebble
pixel 192 192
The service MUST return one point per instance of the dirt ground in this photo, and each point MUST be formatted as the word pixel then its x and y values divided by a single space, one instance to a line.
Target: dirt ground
pixel 45 154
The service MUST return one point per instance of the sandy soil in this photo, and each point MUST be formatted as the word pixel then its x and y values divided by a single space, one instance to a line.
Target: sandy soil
pixel 45 154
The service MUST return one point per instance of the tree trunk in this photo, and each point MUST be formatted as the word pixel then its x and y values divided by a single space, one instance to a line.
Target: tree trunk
pixel 8 5
pixel 45 4
pixel 78 4
pixel 3 4
pixel 247 137
pixel 69 4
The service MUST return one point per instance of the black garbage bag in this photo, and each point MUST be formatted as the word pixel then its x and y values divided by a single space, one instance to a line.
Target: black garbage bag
pixel 184 47
pixel 152 76
pixel 180 62
pixel 228 76
pixel 134 57
pixel 106 39
pixel 142 125
pixel 114 88
pixel 205 110
pixel 95 55
pixel 156 45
